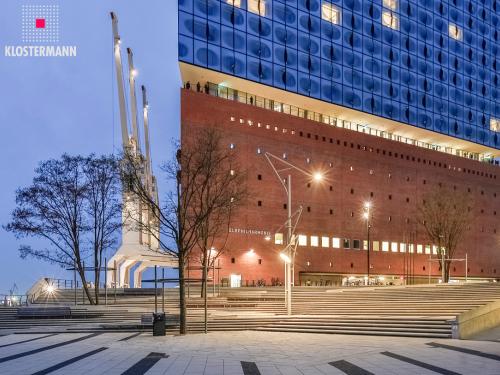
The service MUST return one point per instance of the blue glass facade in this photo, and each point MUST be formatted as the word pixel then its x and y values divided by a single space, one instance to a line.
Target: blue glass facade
pixel 416 73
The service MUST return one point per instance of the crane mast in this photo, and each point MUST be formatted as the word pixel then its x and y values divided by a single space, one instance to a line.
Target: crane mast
pixel 132 73
pixel 119 80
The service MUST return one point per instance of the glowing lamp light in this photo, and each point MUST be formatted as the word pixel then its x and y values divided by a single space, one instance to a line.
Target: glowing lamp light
pixel 317 176
pixel 365 215
pixel 367 205
pixel 134 73
pixel 50 289
pixel 251 251
pixel 285 258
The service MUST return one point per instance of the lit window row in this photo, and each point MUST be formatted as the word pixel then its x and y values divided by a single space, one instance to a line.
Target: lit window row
pixel 260 7
pixel 355 244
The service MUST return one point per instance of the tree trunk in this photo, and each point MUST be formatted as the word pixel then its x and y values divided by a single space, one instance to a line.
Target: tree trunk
pixel 97 278
pixel 85 288
pixel 204 276
pixel 182 296
pixel 447 271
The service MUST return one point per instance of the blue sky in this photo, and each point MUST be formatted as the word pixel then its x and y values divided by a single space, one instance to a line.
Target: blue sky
pixel 54 105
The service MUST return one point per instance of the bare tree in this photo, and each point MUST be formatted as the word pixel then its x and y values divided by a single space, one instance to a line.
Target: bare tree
pixel 445 214
pixel 69 206
pixel 103 208
pixel 182 214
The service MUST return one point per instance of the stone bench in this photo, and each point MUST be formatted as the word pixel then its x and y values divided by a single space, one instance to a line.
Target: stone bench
pixel 43 312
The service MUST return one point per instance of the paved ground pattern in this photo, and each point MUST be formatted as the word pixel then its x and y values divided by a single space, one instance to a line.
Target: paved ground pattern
pixel 243 353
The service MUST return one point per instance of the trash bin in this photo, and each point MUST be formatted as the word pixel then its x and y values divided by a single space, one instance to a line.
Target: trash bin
pixel 158 324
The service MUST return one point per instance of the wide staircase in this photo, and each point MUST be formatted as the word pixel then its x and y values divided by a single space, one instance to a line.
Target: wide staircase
pixel 420 311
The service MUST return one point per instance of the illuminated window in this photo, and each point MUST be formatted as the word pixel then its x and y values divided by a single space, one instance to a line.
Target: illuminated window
pixel 330 13
pixel 420 249
pixel 302 240
pixel 394 247
pixel 365 245
pixel 391 4
pixel 278 238
pixel 427 249
pixel 434 249
pixel 314 241
pixel 495 124
pixel 375 246
pixel 336 243
pixel 258 7
pixel 325 242
pixel 390 19
pixel 235 3
pixel 402 247
pixel 411 248
pixel 455 31
pixel 385 246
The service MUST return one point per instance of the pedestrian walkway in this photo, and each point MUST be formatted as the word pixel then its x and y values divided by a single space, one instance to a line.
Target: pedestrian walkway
pixel 243 353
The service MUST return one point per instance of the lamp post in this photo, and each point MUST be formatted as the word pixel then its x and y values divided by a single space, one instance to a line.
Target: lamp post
pixel 366 215
pixel 290 257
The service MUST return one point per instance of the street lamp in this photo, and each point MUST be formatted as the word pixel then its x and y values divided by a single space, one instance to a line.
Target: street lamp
pixel 287 185
pixel 366 216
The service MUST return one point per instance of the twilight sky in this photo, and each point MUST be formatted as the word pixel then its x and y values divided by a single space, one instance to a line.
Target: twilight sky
pixel 49 105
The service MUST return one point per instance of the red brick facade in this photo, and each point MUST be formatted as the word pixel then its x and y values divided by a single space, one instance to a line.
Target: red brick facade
pixel 357 167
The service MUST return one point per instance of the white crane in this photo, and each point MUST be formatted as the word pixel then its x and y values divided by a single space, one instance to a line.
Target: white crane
pixel 138 247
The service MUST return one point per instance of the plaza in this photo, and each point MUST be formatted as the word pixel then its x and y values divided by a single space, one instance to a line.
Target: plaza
pixel 245 353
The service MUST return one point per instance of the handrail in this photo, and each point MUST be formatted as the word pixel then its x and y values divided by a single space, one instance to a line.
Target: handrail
pixel 273 105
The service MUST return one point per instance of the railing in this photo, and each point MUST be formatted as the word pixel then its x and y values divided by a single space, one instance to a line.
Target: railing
pixel 273 105
pixel 10 300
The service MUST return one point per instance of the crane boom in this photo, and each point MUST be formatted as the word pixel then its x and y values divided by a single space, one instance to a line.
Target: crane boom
pixel 119 81
pixel 133 100
pixel 146 132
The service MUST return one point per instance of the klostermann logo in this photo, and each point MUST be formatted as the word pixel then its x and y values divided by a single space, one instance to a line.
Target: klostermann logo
pixel 40 34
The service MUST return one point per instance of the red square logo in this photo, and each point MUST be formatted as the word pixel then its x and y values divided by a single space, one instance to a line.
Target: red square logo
pixel 40 23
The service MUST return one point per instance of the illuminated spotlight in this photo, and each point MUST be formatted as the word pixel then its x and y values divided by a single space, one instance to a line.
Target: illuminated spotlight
pixel 50 289
pixel 318 176
pixel 251 251
pixel 285 258
pixel 367 205
pixel 365 215
pixel 134 72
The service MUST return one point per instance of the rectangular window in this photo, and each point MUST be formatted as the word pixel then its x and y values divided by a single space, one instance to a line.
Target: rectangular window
pixel 420 249
pixel 385 246
pixel 302 240
pixel 495 124
pixel 376 246
pixel 411 248
pixel 336 243
pixel 347 243
pixel 278 238
pixel 455 31
pixel 356 244
pixel 391 4
pixel 330 13
pixel 434 249
pixel 427 249
pixel 390 19
pixel 314 241
pixel 394 247
pixel 258 6
pixel 402 247
pixel 365 245
pixel 235 3
pixel 325 241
